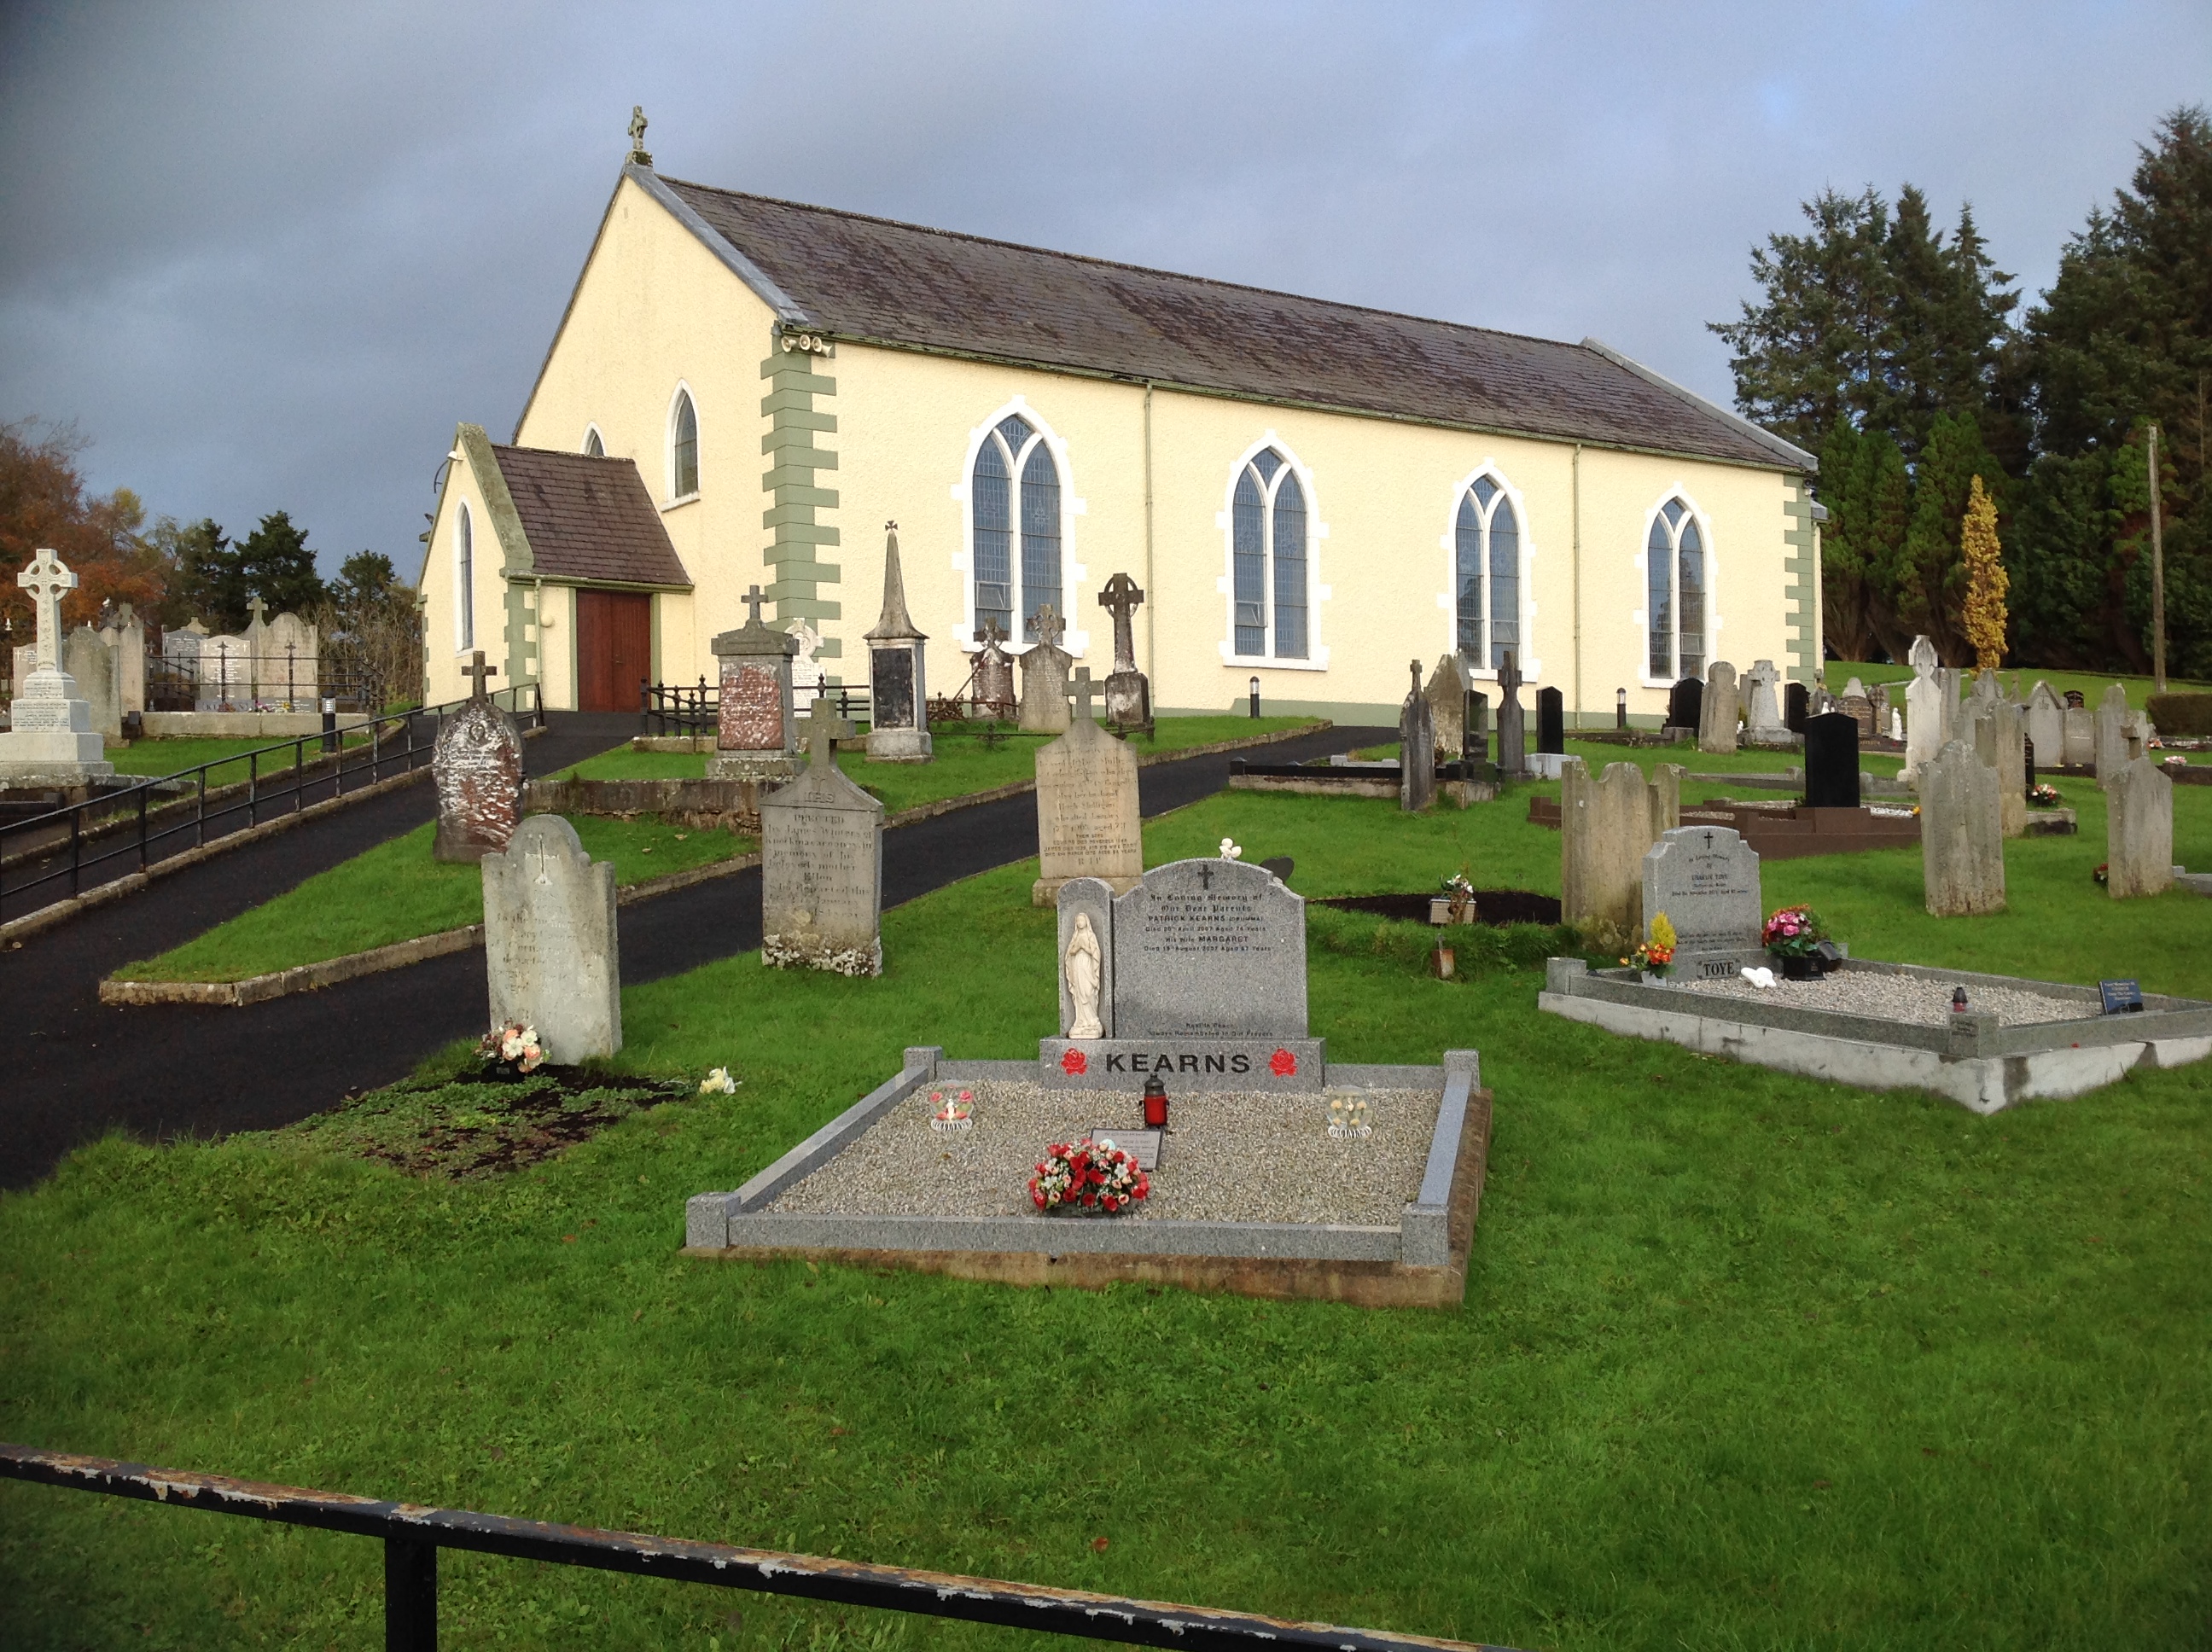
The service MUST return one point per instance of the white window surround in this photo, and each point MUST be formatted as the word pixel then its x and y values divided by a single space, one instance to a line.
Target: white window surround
pixel 591 434
pixel 1531 669
pixel 1640 616
pixel 670 497
pixel 465 614
pixel 1317 594
pixel 1072 574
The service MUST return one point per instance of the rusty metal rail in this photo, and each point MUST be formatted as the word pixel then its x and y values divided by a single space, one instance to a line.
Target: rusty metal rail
pixel 413 1533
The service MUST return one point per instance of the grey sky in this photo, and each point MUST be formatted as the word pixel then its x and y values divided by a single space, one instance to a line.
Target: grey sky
pixel 266 256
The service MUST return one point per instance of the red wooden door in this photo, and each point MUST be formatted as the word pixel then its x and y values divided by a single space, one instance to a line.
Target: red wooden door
pixel 614 648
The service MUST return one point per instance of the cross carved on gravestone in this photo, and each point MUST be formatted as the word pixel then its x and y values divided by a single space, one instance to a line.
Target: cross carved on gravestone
pixel 542 854
pixel 1080 690
pixel 477 669
pixel 753 600
pixel 1049 626
pixel 46 579
pixel 824 727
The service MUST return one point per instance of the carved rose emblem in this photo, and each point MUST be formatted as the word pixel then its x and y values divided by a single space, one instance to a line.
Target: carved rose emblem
pixel 1075 1063
pixel 1283 1064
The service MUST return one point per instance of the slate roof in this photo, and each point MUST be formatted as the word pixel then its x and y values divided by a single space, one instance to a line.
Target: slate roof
pixel 875 279
pixel 589 518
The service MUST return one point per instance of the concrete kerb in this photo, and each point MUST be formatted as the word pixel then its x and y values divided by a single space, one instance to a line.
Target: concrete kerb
pixel 1420 1262
pixel 1973 1061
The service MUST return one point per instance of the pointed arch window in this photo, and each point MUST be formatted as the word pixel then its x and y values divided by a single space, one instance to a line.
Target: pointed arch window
pixel 683 447
pixel 594 448
pixel 1674 564
pixel 1268 538
pixel 1014 495
pixel 1489 575
pixel 465 580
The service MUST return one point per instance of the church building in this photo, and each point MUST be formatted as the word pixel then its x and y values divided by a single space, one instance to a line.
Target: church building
pixel 745 391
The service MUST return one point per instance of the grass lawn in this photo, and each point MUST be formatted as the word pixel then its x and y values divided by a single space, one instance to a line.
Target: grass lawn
pixel 395 892
pixel 2092 685
pixel 1746 1359
pixel 173 757
pixel 963 763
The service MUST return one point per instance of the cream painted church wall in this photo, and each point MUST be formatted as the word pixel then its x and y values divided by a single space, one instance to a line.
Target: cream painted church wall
pixel 444 652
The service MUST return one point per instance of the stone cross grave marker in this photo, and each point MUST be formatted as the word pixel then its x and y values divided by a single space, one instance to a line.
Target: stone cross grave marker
pixel 1512 729
pixel 1705 879
pixel 1417 749
pixel 822 862
pixel 1044 678
pixel 1762 715
pixel 1088 824
pixel 46 578
pixel 1722 710
pixel 1128 693
pixel 2138 830
pixel 756 733
pixel 1961 833
pixel 476 766
pixel 552 959
pixel 995 671
pixel 1831 761
pixel 50 736
pixel 480 675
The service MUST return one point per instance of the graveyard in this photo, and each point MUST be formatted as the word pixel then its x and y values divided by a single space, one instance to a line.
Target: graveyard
pixel 1728 1351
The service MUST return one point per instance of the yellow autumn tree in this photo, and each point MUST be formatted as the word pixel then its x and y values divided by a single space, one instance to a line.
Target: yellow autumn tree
pixel 1986 580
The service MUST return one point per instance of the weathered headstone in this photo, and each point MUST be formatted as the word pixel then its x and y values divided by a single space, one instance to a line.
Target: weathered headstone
pixel 1128 694
pixel 1447 693
pixel 1722 710
pixel 1550 721
pixel 1686 705
pixel 2138 830
pixel 2046 725
pixel 25 662
pixel 821 864
pixel 1088 825
pixel 1762 713
pixel 1210 949
pixel 1925 720
pixel 1417 749
pixel 1705 879
pixel 755 725
pixel 2000 730
pixel 50 736
pixel 1831 761
pixel 1607 826
pixel 552 958
pixel 808 679
pixel 1859 707
pixel 1512 733
pixel 289 667
pixel 993 692
pixel 2078 737
pixel 1474 738
pixel 1045 667
pixel 91 663
pixel 898 687
pixel 1961 833
pixel 125 637
pixel 476 766
pixel 2112 733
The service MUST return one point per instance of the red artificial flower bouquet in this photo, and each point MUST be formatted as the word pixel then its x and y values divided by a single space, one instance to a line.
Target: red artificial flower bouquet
pixel 1089 1178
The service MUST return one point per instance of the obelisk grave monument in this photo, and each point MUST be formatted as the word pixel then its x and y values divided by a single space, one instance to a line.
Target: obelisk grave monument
pixel 53 739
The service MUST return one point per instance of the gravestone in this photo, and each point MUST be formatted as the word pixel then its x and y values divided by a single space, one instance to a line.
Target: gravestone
pixel 1607 826
pixel 898 687
pixel 756 724
pixel 1128 694
pixel 50 736
pixel 1796 706
pixel 1417 749
pixel 476 766
pixel 821 864
pixel 1961 833
pixel 1686 705
pixel 2111 726
pixel 1512 734
pixel 1474 738
pixel 1859 707
pixel 552 956
pixel 2138 830
pixel 125 637
pixel 1925 717
pixel 1550 721
pixel 2046 724
pixel 1086 801
pixel 1720 712
pixel 808 678
pixel 25 662
pixel 2077 700
pixel 995 671
pixel 289 667
pixel 92 664
pixel 2000 731
pixel 226 674
pixel 1210 949
pixel 2078 737
pixel 1044 677
pixel 1831 761
pixel 1762 713
pixel 1447 695
pixel 1705 879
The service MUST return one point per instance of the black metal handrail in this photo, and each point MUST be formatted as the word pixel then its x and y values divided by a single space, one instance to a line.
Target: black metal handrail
pixel 413 1533
pixel 128 822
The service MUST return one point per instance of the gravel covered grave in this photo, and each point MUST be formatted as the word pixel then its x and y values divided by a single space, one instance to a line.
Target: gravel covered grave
pixel 1899 998
pixel 1235 1157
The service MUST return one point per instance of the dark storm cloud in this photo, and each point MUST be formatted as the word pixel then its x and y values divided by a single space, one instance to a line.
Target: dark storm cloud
pixel 267 256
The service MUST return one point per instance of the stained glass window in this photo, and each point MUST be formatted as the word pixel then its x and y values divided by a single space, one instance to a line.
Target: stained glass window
pixel 1015 490
pixel 1487 538
pixel 1267 545
pixel 1674 564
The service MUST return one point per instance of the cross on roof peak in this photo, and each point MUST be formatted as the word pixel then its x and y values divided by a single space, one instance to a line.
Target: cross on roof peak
pixel 825 728
pixel 1080 688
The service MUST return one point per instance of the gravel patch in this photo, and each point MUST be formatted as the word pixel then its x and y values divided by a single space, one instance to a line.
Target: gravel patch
pixel 1899 998
pixel 1229 1157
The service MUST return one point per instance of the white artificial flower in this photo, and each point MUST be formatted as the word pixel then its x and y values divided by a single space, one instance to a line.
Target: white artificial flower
pixel 1761 978
pixel 1231 850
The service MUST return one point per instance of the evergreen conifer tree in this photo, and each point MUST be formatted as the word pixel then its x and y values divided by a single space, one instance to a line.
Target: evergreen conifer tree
pixel 1929 585
pixel 1983 619
pixel 278 567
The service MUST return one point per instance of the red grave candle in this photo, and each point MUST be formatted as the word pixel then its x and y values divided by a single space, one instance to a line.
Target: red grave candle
pixel 1156 1105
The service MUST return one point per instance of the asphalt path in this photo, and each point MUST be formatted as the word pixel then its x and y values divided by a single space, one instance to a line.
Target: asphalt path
pixel 76 1068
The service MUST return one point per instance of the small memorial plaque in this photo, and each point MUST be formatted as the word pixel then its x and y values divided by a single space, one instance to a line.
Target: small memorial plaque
pixel 2121 997
pixel 1142 1146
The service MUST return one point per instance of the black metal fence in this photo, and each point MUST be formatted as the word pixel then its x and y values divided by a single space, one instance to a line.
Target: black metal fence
pixel 413 1534
pixel 666 711
pixel 58 853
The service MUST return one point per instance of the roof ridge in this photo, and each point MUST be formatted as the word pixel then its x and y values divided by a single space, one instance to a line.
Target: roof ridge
pixel 1123 263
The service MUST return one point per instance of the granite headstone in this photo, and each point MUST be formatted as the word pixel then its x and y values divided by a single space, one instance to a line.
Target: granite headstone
pixel 1705 879
pixel 552 959
pixel 821 864
pixel 1831 761
pixel 1088 824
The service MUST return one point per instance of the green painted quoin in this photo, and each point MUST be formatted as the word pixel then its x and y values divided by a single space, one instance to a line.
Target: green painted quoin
pixel 798 576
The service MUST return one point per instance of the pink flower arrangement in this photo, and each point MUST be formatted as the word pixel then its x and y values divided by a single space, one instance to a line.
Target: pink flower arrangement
pixel 1794 932
pixel 1095 1178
